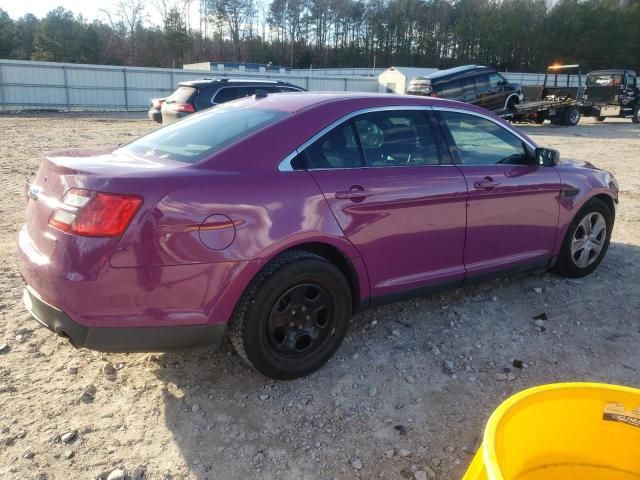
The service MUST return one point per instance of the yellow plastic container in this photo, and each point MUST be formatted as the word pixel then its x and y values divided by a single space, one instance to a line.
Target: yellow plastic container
pixel 565 431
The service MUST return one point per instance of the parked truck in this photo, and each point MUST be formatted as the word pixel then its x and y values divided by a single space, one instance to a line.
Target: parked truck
pixel 558 100
pixel 613 93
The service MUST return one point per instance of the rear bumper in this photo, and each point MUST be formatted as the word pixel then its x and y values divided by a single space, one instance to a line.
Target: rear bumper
pixel 171 116
pixel 121 339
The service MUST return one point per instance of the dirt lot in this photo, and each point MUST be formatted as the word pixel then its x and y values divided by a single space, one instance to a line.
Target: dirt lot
pixel 409 391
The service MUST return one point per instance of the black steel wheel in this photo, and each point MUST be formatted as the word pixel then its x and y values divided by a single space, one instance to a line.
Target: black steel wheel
pixel 300 320
pixel 293 316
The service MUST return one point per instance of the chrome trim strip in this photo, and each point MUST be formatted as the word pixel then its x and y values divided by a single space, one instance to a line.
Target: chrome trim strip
pixel 285 165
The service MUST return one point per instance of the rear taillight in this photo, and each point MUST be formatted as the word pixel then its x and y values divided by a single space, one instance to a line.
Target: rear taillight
pixel 181 107
pixel 95 214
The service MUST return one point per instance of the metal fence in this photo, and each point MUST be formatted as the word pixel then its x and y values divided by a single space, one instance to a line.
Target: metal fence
pixel 65 86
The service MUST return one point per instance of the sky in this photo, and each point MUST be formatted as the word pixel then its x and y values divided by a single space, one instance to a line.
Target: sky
pixel 90 9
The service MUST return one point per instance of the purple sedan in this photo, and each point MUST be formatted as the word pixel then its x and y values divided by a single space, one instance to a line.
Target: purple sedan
pixel 275 218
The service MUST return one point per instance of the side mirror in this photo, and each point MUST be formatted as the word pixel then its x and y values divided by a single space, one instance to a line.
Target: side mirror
pixel 547 157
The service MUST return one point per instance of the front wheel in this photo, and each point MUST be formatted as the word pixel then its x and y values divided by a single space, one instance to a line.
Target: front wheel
pixel 587 240
pixel 293 316
pixel 636 115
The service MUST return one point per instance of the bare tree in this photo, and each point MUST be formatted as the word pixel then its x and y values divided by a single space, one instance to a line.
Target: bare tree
pixel 236 15
pixel 127 20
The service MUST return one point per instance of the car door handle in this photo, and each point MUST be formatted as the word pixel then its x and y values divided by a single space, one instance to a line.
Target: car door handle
pixel 486 183
pixel 356 192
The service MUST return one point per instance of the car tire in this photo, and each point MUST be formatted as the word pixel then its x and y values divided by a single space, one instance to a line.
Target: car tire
pixel 636 115
pixel 600 119
pixel 571 117
pixel 571 260
pixel 273 328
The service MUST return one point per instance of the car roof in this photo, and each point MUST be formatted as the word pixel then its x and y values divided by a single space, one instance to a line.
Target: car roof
pixel 295 102
pixel 611 71
pixel 459 71
pixel 203 82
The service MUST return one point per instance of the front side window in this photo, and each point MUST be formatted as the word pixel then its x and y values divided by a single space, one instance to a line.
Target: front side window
pixel 479 141
pixel 198 136
pixel 631 81
pixel 496 80
pixel 396 139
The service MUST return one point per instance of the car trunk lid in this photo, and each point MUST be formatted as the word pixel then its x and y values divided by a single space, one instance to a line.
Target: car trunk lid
pixel 89 169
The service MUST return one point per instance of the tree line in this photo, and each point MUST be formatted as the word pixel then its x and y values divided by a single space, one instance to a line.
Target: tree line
pixel 513 35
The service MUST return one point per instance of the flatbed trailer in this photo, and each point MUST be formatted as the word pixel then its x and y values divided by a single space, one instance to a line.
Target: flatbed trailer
pixel 561 104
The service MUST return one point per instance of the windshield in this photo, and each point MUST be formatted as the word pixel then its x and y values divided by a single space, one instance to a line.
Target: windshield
pixel 199 136
pixel 608 80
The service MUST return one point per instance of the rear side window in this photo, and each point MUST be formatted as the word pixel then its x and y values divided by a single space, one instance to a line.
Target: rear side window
pixel 289 89
pixel 482 83
pixel 226 94
pixel 337 149
pixel 396 139
pixel 496 80
pixel 452 89
pixel 260 89
pixel 198 136
pixel 182 95
pixel 377 139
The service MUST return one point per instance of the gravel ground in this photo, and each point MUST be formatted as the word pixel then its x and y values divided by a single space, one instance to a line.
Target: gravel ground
pixel 406 396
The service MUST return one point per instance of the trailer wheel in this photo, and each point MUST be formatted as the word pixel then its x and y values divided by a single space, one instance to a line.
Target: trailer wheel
pixel 571 116
pixel 636 115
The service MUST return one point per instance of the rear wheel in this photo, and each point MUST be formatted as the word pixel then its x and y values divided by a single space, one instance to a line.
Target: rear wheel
pixel 571 116
pixel 587 240
pixel 636 115
pixel 293 316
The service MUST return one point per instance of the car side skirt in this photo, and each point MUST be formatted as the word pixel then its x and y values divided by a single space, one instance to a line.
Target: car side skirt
pixel 538 265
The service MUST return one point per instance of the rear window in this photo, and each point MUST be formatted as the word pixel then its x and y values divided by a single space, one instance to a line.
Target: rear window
pixel 608 80
pixel 182 95
pixel 198 136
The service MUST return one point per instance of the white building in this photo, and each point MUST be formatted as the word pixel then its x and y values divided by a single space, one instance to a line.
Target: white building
pixel 397 79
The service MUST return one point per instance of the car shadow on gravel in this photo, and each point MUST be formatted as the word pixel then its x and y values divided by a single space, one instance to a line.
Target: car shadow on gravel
pixel 421 374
